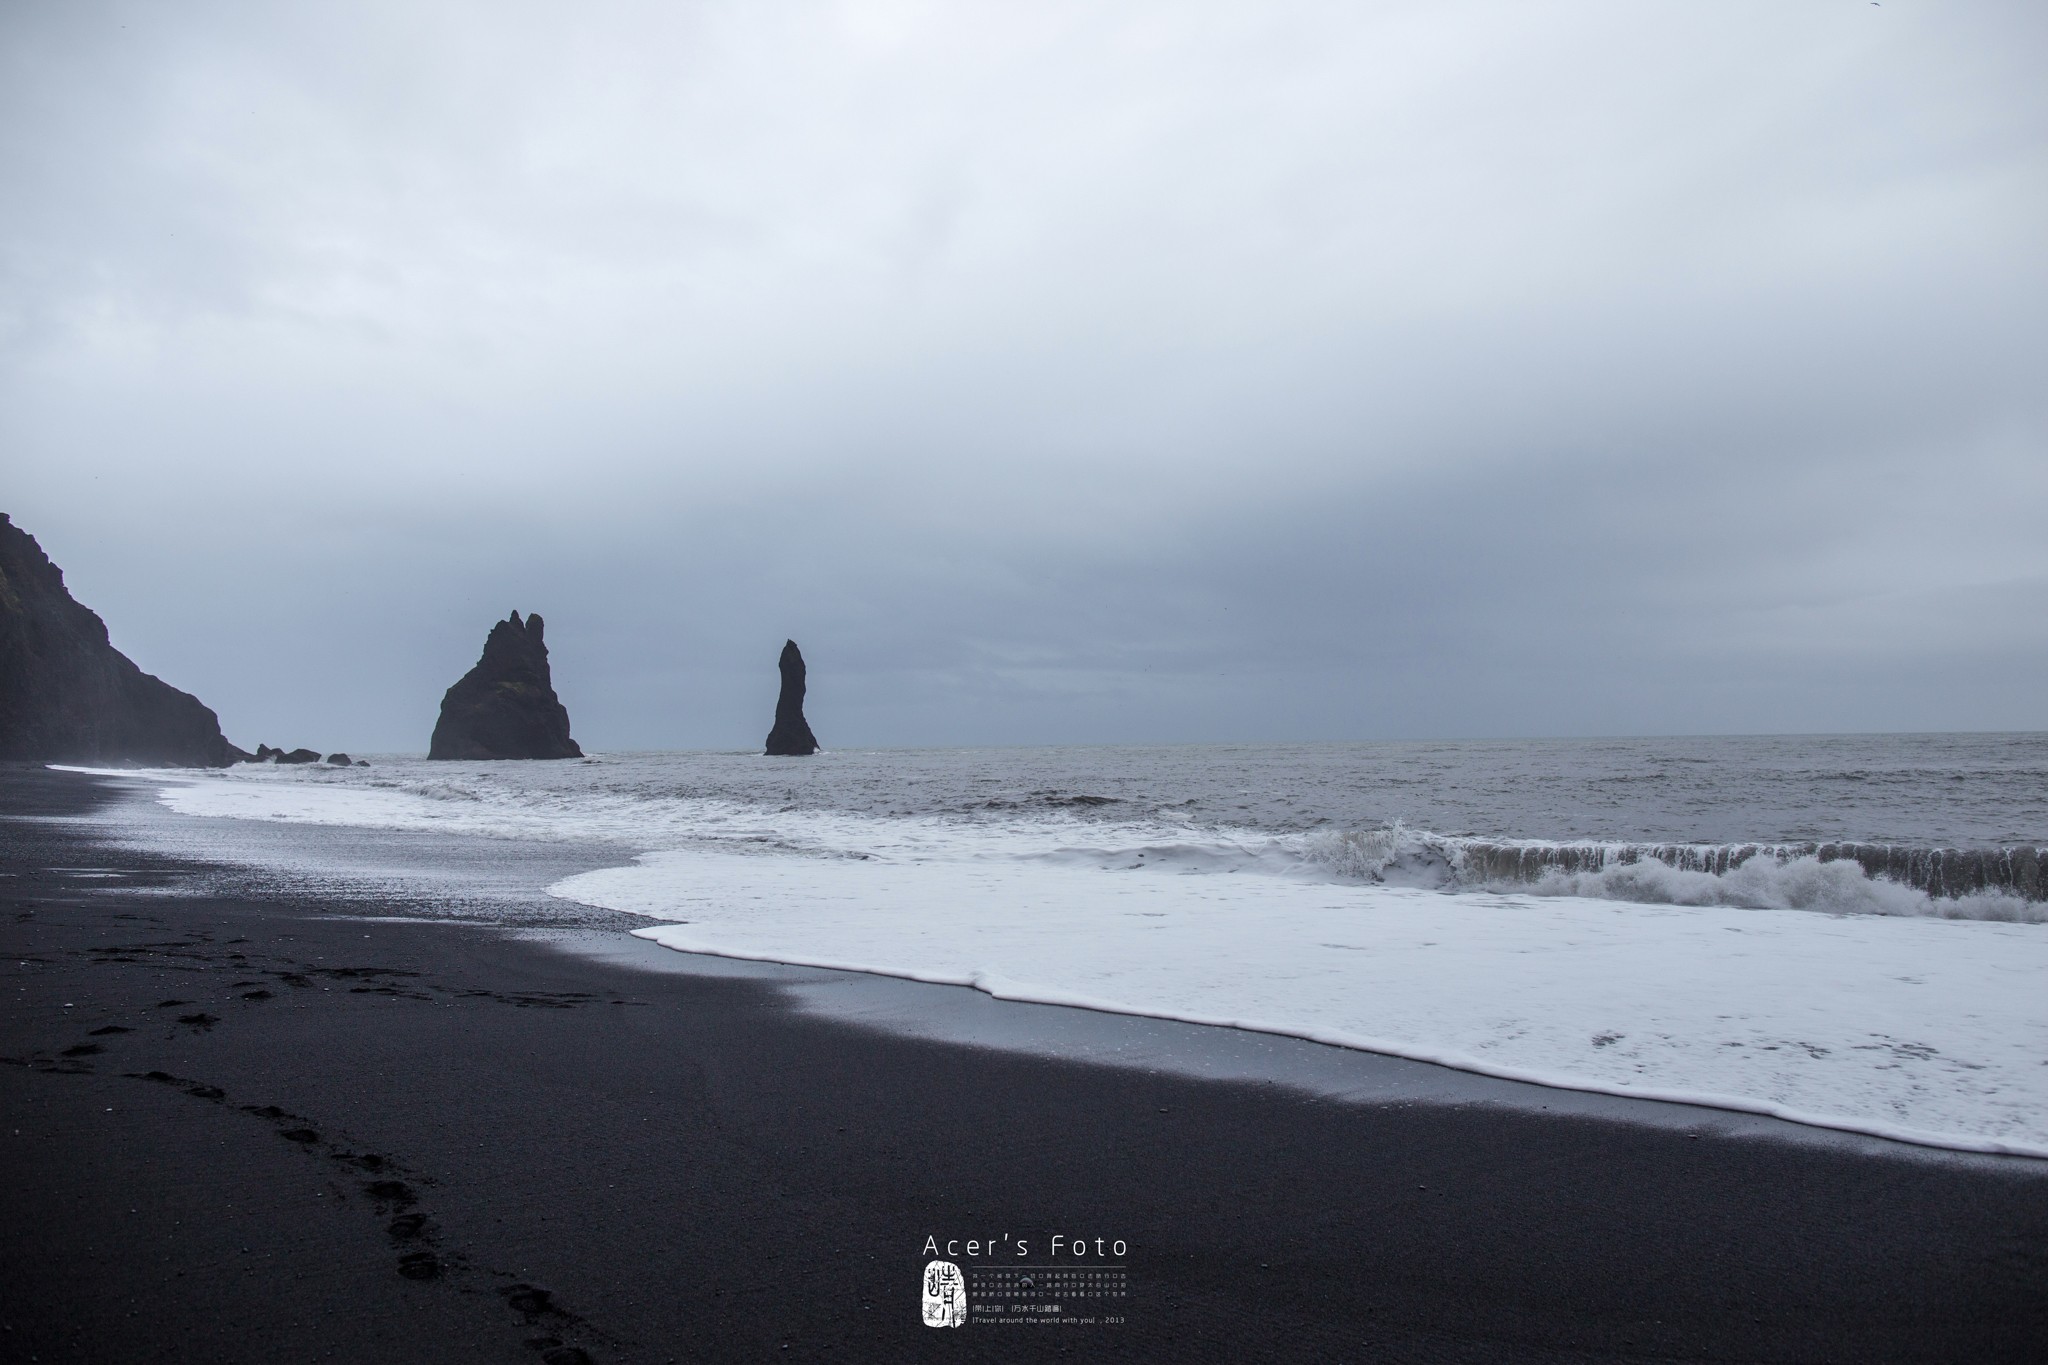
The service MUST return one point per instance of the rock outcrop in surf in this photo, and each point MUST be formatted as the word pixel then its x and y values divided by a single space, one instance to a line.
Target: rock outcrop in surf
pixel 506 706
pixel 791 737
pixel 67 695
pixel 265 754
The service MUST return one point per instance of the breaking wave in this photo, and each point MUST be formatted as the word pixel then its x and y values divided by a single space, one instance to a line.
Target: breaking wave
pixel 656 803
pixel 2007 884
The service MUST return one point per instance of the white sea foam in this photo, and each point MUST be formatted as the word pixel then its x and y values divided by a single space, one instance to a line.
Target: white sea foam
pixel 1803 883
pixel 646 814
pixel 1904 1027
pixel 1749 988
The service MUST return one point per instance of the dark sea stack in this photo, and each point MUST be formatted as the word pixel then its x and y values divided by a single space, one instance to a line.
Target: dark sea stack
pixel 68 696
pixel 506 706
pixel 341 760
pixel 791 737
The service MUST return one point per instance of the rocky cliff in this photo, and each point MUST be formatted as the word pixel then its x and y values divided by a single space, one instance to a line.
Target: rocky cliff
pixel 792 735
pixel 506 706
pixel 67 695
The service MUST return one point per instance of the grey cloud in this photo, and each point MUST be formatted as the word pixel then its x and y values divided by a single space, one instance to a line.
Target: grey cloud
pixel 1184 372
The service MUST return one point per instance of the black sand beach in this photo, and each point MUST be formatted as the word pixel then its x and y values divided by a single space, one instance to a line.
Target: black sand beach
pixel 267 1129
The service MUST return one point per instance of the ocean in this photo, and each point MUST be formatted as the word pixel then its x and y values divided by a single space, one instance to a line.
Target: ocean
pixel 1842 930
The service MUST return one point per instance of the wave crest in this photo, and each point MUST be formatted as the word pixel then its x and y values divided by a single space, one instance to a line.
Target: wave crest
pixel 1984 884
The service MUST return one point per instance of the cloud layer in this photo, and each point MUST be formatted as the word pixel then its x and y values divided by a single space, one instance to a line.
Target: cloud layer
pixel 1183 372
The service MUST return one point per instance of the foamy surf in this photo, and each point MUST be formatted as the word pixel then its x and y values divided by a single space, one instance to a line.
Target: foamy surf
pixel 1910 1029
pixel 568 802
pixel 1841 878
pixel 1789 978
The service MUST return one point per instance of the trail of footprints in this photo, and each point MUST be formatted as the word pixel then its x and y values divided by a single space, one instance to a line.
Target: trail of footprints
pixel 393 1192
pixel 200 949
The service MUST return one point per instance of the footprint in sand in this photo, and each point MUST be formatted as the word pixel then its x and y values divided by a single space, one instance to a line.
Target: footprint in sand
pixel 531 1300
pixel 420 1265
pixel 391 1192
pixel 528 1300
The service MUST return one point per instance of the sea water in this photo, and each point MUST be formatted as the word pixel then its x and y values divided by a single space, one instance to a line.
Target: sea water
pixel 1844 930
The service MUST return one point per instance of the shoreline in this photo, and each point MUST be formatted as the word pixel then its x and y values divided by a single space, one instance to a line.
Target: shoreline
pixel 1021 993
pixel 536 872
pixel 708 1170
pixel 907 1006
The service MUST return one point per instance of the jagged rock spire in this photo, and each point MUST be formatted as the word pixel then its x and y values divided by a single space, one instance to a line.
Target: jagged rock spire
pixel 506 706
pixel 792 735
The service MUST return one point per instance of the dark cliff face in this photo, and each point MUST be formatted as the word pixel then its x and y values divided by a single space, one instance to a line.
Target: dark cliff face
pixel 791 737
pixel 506 706
pixel 67 695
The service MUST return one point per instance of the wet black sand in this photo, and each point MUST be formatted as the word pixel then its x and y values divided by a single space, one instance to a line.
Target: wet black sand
pixel 411 1141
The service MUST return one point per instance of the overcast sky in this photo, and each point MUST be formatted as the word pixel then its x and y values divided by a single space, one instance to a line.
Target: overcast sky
pixel 1050 371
